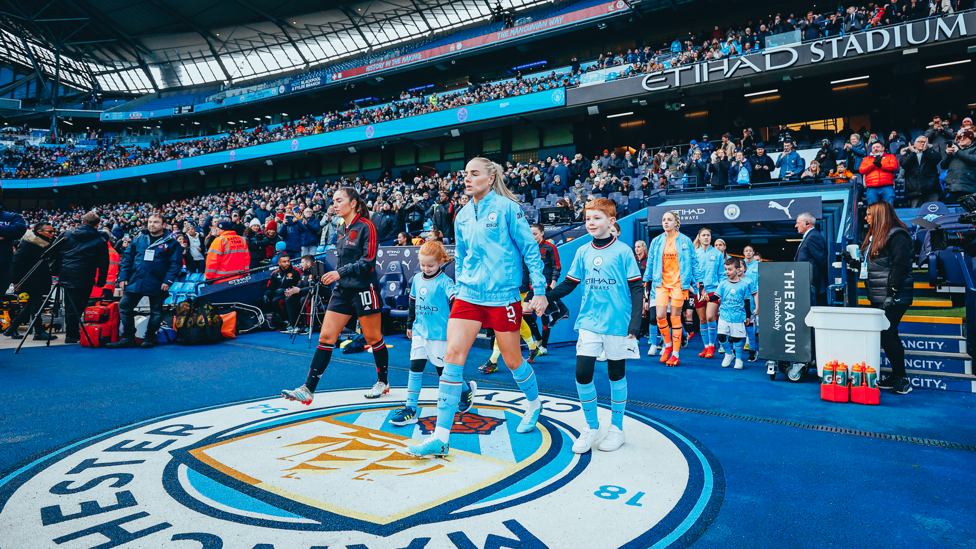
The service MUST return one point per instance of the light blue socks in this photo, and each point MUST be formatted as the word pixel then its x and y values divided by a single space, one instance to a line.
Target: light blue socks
pixel 618 401
pixel 449 393
pixel 587 395
pixel 525 377
pixel 414 381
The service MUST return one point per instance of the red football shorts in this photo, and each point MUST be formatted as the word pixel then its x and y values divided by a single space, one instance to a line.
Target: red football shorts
pixel 709 298
pixel 506 318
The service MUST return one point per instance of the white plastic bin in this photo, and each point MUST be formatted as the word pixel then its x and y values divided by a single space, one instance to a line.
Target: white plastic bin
pixel 847 334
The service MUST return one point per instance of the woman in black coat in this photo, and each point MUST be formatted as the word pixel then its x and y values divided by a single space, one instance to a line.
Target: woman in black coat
pixel 887 255
pixel 38 284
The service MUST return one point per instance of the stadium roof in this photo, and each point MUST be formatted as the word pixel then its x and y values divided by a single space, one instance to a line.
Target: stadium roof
pixel 140 46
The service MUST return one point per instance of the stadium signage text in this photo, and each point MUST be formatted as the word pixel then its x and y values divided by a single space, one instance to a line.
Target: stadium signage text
pixel 784 300
pixel 593 12
pixel 739 211
pixel 783 57
pixel 270 473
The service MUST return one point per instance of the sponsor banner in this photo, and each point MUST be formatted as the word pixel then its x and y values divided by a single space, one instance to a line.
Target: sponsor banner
pixel 738 211
pixel 136 115
pixel 784 301
pixel 306 82
pixel 272 473
pixel 935 364
pixel 600 76
pixel 937 344
pixel 392 259
pixel 255 96
pixel 449 118
pixel 593 12
pixel 907 35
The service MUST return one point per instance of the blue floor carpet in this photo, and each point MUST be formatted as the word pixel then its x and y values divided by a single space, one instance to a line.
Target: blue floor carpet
pixel 788 480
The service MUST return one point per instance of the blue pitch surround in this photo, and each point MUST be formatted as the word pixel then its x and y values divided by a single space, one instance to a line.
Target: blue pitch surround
pixel 773 479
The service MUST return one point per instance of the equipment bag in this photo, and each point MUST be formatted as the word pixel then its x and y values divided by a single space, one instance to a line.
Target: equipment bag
pixel 101 324
pixel 249 318
pixel 228 328
pixel 196 322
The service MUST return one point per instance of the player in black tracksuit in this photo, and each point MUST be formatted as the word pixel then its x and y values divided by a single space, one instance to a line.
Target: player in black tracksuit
pixel 551 270
pixel 356 294
pixel 282 279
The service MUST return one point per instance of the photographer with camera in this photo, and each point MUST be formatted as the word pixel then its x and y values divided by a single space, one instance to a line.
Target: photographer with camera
pixel 38 284
pixel 311 275
pixel 960 166
pixel 82 255
pixel 886 265
pixel 282 285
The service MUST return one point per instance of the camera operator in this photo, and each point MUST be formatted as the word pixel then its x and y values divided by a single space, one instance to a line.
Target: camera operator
pixel 960 166
pixel 887 251
pixel 12 227
pixel 81 255
pixel 283 279
pixel 38 284
pixel 148 268
pixel 311 274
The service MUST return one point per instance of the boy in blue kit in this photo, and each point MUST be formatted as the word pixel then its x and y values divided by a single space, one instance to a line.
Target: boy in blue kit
pixel 431 295
pixel 608 323
pixel 732 312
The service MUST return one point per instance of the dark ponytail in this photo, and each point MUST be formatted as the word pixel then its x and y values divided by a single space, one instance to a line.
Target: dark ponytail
pixel 352 194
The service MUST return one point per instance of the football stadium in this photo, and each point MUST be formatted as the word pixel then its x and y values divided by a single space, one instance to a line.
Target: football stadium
pixel 465 274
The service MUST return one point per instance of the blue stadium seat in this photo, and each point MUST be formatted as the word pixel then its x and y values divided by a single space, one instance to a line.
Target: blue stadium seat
pixel 636 194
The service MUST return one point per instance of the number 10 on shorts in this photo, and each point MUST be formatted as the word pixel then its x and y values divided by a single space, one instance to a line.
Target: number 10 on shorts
pixel 367 299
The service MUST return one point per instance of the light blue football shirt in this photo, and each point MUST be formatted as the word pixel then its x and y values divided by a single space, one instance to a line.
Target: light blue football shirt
pixel 605 274
pixel 432 305
pixel 733 295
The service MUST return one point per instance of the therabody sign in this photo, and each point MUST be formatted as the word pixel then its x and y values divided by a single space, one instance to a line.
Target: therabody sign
pixel 784 301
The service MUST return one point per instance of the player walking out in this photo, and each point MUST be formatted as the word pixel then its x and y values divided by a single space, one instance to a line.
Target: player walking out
pixel 735 291
pixel 493 238
pixel 609 320
pixel 713 265
pixel 672 270
pixel 355 294
pixel 431 295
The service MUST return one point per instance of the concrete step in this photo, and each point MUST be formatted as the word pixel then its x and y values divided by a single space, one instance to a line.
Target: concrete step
pixel 931 302
pixel 939 344
pixel 933 362
pixel 938 382
pixel 931 325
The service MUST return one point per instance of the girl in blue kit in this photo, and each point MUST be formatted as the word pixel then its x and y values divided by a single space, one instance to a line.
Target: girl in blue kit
pixel 713 266
pixel 734 291
pixel 492 240
pixel 431 295
pixel 608 323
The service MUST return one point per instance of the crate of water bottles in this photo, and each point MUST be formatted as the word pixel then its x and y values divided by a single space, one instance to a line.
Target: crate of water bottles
pixel 858 384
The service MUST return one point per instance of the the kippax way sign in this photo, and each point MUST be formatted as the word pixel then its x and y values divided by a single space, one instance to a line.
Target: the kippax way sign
pixel 737 211
pixel 784 301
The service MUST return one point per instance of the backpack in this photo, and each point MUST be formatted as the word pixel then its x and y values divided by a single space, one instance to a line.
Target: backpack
pixel 196 322
pixel 743 177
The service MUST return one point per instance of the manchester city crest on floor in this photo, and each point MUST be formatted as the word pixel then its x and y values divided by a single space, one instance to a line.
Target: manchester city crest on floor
pixel 275 474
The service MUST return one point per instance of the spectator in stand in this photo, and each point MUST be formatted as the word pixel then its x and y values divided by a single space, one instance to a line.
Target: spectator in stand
pixel 562 170
pixel 403 239
pixel 790 163
pixel 939 135
pixel 706 146
pixel 853 151
pixel 921 166
pixel 697 171
pixel 740 171
pixel 841 174
pixel 783 135
pixel 879 171
pixel 826 156
pixel 813 173
pixel 748 143
pixel 762 165
pixel 960 166
pixel 292 232
pixel 310 237
pixel 853 20
pixel 194 264
pixel 147 269
pixel 32 245
pixel 443 216
pixel 82 256
pixel 719 169
pixel 728 146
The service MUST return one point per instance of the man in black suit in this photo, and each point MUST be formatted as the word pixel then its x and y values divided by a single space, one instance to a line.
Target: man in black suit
pixel 813 249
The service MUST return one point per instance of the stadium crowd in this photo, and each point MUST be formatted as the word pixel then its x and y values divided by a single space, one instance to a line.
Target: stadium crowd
pixel 36 162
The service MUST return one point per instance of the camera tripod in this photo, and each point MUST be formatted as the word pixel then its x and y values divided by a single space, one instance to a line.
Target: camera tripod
pixel 313 300
pixel 57 297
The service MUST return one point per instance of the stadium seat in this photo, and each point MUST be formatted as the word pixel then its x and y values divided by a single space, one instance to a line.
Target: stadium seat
pixel 636 194
pixel 401 307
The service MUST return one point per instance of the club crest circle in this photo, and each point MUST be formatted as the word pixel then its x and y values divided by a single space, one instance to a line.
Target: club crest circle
pixel 337 474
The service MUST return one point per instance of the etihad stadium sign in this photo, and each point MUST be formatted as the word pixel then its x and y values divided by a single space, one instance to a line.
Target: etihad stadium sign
pixel 835 48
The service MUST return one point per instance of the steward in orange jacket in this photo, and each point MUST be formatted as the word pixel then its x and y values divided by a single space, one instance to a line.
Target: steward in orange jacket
pixel 227 255
pixel 106 291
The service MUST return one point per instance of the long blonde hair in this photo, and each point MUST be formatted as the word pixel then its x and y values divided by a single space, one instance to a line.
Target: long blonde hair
pixel 697 243
pixel 498 185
